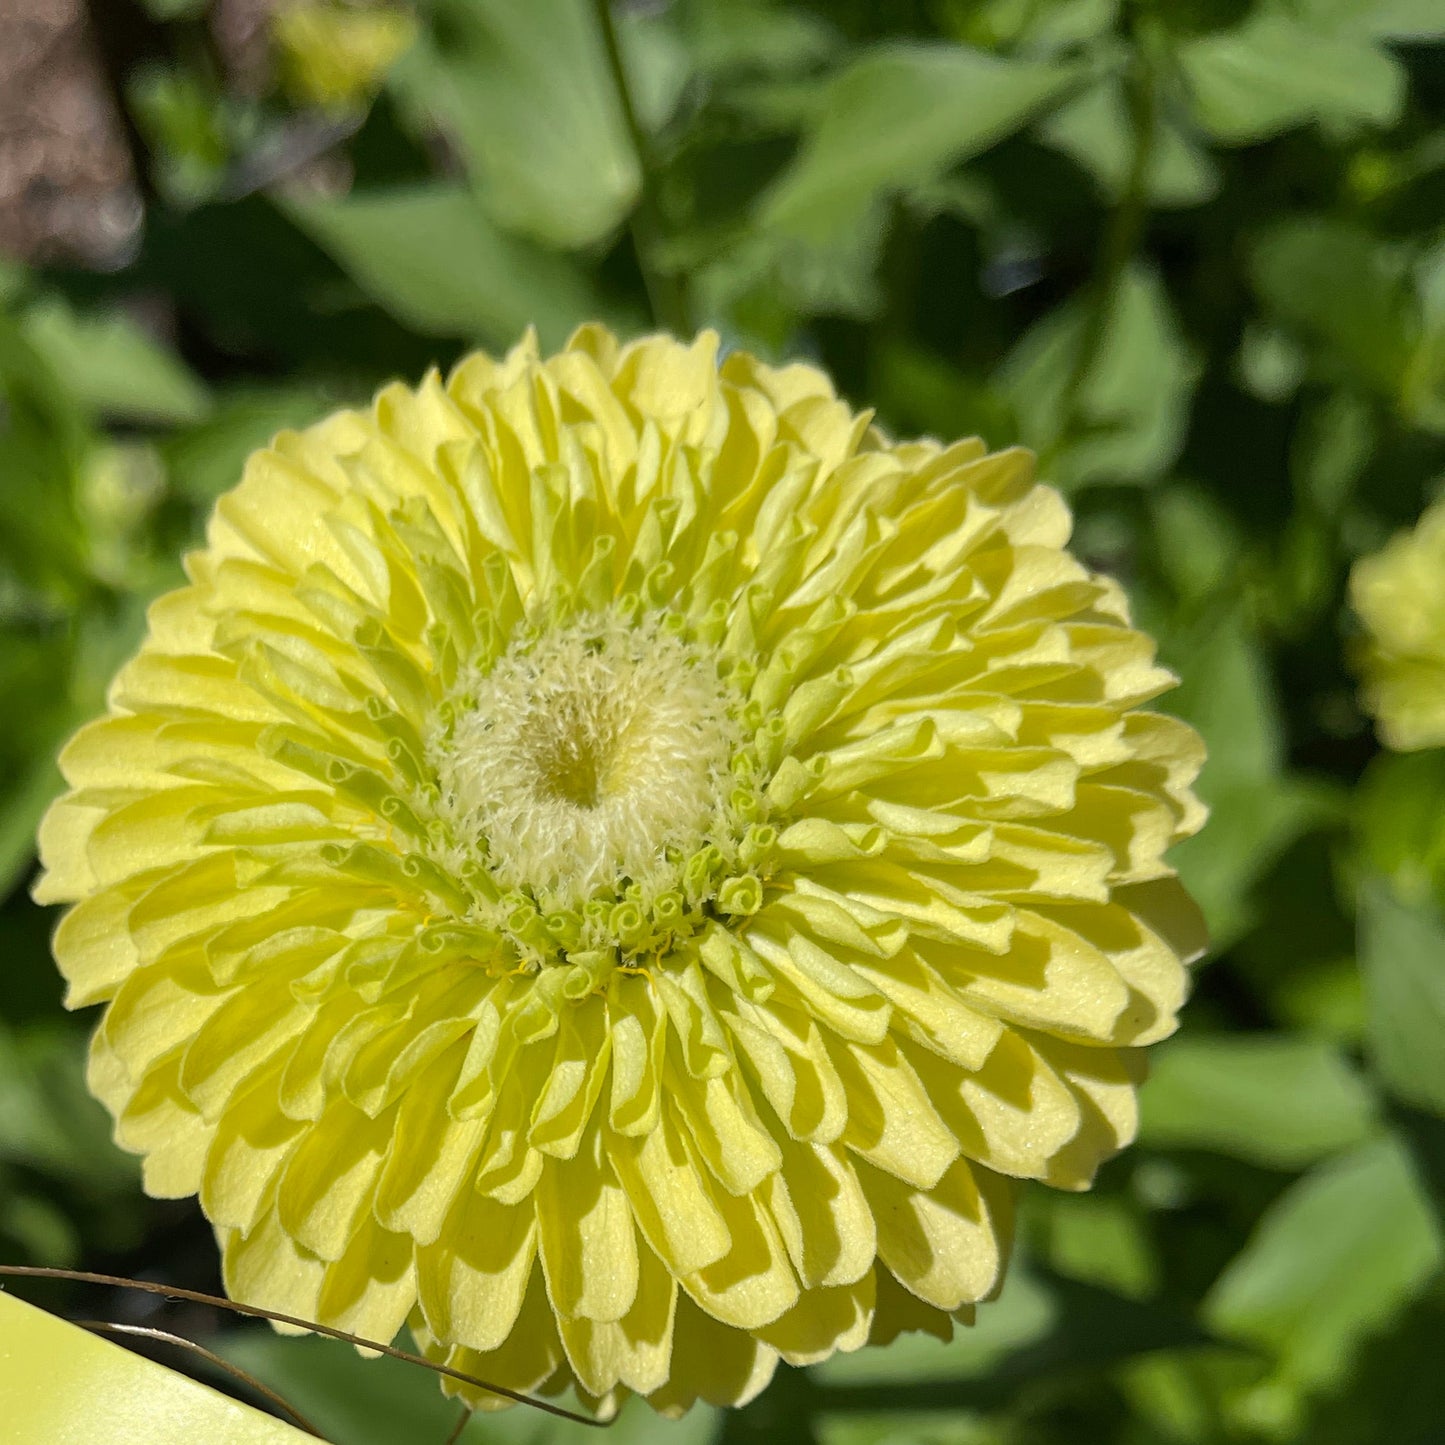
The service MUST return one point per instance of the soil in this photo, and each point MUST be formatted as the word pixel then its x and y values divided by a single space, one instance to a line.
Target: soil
pixel 66 191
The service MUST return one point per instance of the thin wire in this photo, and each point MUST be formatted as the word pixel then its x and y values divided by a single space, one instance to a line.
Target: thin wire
pixel 83 1276
pixel 150 1332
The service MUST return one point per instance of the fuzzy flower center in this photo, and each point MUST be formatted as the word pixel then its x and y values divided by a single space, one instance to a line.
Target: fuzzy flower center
pixel 595 756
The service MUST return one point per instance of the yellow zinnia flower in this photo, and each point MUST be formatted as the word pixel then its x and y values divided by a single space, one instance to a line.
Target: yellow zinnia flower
pixel 612 860
pixel 1399 593
pixel 335 54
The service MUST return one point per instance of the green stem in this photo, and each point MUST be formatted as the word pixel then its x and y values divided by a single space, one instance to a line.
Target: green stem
pixel 1121 240
pixel 666 291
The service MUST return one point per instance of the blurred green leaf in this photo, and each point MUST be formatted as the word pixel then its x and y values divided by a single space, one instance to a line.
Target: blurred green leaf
pixel 42 1232
pixel 1401 820
pixel 205 460
pixel 1343 290
pixel 899 116
pixel 1198 542
pixel 1385 19
pixel 1332 1261
pixel 430 255
pixel 1423 392
pixel 22 805
pixel 1100 1239
pixel 383 1401
pixel 753 35
pixel 1039 27
pixel 1272 1099
pixel 527 92
pixel 176 9
pixel 907 1427
pixel 1023 1314
pixel 1402 955
pixel 48 1120
pixel 1398 1379
pixel 1250 825
pixel 1332 447
pixel 1257 808
pixel 1133 398
pixel 769 278
pixel 1276 71
pixel 917 392
pixel 14 279
pixel 1271 364
pixel 1227 693
pixel 1095 131
pixel 44 439
pixel 1041 1323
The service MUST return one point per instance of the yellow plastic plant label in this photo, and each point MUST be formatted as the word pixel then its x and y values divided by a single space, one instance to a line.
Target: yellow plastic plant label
pixel 62 1385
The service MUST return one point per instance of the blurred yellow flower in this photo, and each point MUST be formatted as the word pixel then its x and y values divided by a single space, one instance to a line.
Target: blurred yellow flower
pixel 1399 593
pixel 614 860
pixel 333 53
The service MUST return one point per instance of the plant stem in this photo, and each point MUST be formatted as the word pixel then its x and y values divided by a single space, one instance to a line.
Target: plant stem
pixel 666 291
pixel 1121 240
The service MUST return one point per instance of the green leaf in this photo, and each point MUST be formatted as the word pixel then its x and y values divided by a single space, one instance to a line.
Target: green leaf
pixel 1340 288
pixel 1025 1313
pixel 766 281
pixel 1334 1259
pixel 1272 1099
pixel 112 366
pixel 43 1233
pixel 1384 19
pixel 1040 1325
pixel 1100 1239
pixel 1133 400
pixel 754 35
pixel 431 257
pixel 44 440
pixel 22 805
pixel 918 392
pixel 1331 449
pixel 1419 20
pixel 1423 393
pixel 528 94
pixel 1398 1379
pixel 1250 825
pixel 1274 72
pixel 204 461
pixel 1402 956
pixel 1271 364
pixel 1401 819
pixel 1256 810
pixel 905 1427
pixel 48 1120
pixel 897 117
pixel 1197 540
pixel 1095 132
pixel 383 1401
pixel 1037 27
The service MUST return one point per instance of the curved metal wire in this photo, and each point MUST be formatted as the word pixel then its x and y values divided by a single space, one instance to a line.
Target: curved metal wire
pixel 168 1291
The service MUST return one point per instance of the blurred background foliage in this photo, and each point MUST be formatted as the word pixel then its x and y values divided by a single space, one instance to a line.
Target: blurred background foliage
pixel 1190 251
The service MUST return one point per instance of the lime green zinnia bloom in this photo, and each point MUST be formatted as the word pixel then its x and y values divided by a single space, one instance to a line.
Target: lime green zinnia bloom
pixel 614 861
pixel 1399 593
